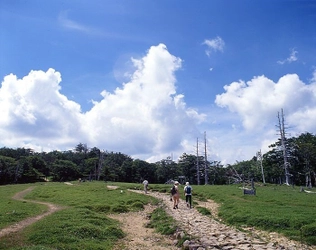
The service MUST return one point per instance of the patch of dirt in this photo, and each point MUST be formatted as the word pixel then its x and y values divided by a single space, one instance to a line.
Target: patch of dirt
pixel 137 235
pixel 51 208
pixel 112 187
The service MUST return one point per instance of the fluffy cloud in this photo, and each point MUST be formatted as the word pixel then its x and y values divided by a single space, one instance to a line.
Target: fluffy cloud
pixel 145 117
pixel 258 101
pixel 34 112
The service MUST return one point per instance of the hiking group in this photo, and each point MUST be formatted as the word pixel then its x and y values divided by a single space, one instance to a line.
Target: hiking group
pixel 175 194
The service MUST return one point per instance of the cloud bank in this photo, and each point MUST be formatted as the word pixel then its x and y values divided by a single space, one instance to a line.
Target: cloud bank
pixel 258 101
pixel 145 117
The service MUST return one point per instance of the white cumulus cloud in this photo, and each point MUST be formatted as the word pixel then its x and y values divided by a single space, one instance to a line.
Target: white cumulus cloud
pixel 33 112
pixel 144 117
pixel 258 101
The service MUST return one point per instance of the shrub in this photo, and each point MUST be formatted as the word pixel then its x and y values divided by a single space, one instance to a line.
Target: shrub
pixel 120 209
pixel 204 210
pixel 137 205
pixel 162 222
pixel 309 232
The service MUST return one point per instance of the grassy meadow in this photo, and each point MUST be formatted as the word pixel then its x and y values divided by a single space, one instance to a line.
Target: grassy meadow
pixel 84 223
pixel 283 209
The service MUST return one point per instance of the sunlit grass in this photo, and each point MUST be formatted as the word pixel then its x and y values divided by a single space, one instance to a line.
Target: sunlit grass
pixel 84 224
pixel 282 209
pixel 12 211
pixel 277 208
pixel 162 222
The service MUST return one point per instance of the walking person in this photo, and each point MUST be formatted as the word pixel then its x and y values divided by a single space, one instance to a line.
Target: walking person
pixel 145 183
pixel 188 194
pixel 175 194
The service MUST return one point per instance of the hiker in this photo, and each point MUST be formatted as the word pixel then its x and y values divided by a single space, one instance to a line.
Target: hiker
pixel 145 182
pixel 175 194
pixel 188 194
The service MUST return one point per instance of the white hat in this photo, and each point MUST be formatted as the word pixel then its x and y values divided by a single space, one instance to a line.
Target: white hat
pixel 187 183
pixel 176 183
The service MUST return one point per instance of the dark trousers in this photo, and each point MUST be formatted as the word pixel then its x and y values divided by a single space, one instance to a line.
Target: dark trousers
pixel 188 199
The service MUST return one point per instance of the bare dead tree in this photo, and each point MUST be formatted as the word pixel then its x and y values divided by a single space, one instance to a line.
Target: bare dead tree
pixel 197 162
pixel 100 163
pixel 236 176
pixel 205 160
pixel 259 156
pixel 283 145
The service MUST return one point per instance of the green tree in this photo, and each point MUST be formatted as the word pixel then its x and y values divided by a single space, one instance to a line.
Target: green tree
pixel 187 164
pixel 305 155
pixel 167 169
pixel 143 170
pixel 217 174
pixel 91 168
pixel 63 170
pixel 27 166
pixel 113 166
pixel 8 170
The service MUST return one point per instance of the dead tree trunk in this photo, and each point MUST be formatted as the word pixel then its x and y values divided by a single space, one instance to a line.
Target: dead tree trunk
pixel 283 145
pixel 197 162
pixel 205 160
pixel 259 155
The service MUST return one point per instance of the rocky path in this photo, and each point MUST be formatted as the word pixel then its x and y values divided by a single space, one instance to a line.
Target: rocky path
pixel 210 233
pixel 205 232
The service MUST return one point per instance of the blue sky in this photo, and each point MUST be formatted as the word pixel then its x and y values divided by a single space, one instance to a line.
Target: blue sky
pixel 147 78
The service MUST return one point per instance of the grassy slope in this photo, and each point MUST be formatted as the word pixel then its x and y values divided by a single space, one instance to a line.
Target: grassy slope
pixel 84 223
pixel 12 211
pixel 281 209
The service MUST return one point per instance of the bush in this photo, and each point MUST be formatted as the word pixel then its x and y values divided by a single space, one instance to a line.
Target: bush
pixel 162 222
pixel 309 232
pixel 101 208
pixel 120 209
pixel 137 205
pixel 204 211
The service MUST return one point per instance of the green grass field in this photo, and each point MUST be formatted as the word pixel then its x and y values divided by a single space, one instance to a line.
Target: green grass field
pixel 276 208
pixel 84 224
pixel 280 209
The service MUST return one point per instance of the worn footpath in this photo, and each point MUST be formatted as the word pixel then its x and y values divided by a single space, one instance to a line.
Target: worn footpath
pixel 203 232
pixel 209 233
pixel 51 208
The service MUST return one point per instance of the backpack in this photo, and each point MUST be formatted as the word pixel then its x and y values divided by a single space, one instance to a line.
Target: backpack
pixel 188 190
pixel 173 190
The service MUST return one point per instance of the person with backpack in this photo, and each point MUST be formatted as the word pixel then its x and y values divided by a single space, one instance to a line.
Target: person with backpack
pixel 188 194
pixel 175 194
pixel 145 183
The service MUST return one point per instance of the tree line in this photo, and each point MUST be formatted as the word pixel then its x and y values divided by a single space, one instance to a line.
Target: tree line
pixel 25 166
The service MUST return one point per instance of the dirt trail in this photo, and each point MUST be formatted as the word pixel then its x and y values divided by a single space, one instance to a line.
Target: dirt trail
pixel 207 232
pixel 137 235
pixel 28 221
pixel 210 233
